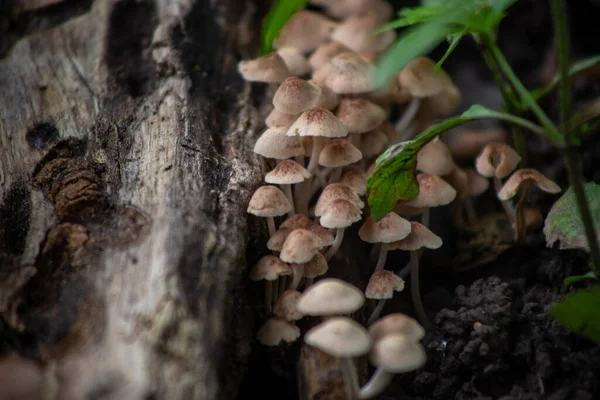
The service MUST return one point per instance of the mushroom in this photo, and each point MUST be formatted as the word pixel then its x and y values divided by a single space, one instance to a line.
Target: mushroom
pixel 525 179
pixel 333 192
pixel 390 228
pixel 418 238
pixel 269 202
pixel 295 61
pixel 372 143
pixel 274 143
pixel 348 73
pixel 324 53
pixel 330 296
pixel 314 268
pixel 355 178
pixel 339 215
pixel 359 116
pixel 22 379
pixel 306 30
pixel 356 33
pixel 328 99
pixel 326 237
pixel 533 219
pixel 300 246
pixel 441 105
pixel 343 338
pixel 278 119
pixel 433 192
pixel 467 144
pixel 435 158
pixel 382 286
pixel 296 95
pixel 286 307
pixel 269 68
pixel 275 242
pixel 393 354
pixel 396 323
pixel 297 221
pixel 277 330
pixel 337 154
pixel 285 174
pixel 269 268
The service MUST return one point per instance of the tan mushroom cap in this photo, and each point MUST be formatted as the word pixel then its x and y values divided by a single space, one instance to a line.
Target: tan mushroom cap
pixel 441 105
pixel 300 246
pixel 373 143
pixel 383 284
pixel 420 236
pixel 433 192
pixel 339 337
pixel 287 172
pixel 275 242
pixel 459 180
pixel 269 68
pixel 339 153
pixel 277 118
pixel 349 73
pixel 333 192
pixel 274 143
pixel 296 95
pixel 340 213
pixel 326 237
pixel 286 306
pixel 318 121
pixel 295 60
pixel 397 353
pixel 277 330
pixel 497 160
pixel 319 76
pixel 390 228
pixel 396 323
pixel 477 183
pixel 360 115
pixel 316 267
pixel 421 79
pixel 325 52
pixel 329 99
pixel 269 201
pixel 435 158
pixel 306 30
pixel 525 177
pixel 356 33
pixel 330 296
pixel 468 143
pixel 356 179
pixel 297 221
pixel 269 268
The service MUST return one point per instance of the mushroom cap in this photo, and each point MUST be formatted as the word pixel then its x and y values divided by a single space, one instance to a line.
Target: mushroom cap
pixel 297 221
pixel 319 75
pixel 340 213
pixel 421 79
pixel 277 118
pixel 388 229
pixel 523 177
pixel 497 160
pixel 318 121
pixel 276 330
pixel 286 306
pixel 356 33
pixel 326 237
pixel 287 172
pixel 339 153
pixel 333 192
pixel 295 61
pixel 467 143
pixel 269 68
pixel 269 201
pixel 325 52
pixel 296 95
pixel 330 296
pixel 300 246
pixel 433 192
pixel 373 143
pixel 306 30
pixel 269 268
pixel 435 158
pixel 397 353
pixel 441 105
pixel 356 179
pixel 459 180
pixel 420 236
pixel 477 183
pixel 21 379
pixel 275 242
pixel 396 323
pixel 349 73
pixel 274 143
pixel 329 99
pixel 383 284
pixel 360 115
pixel 316 267
pixel 339 337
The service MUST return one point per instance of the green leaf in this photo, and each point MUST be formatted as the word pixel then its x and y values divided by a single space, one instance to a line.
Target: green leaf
pixel 279 14
pixel 564 223
pixel 454 39
pixel 580 312
pixel 578 278
pixel 394 177
pixel 576 69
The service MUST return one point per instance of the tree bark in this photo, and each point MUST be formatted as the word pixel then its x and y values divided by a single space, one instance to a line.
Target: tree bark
pixel 124 179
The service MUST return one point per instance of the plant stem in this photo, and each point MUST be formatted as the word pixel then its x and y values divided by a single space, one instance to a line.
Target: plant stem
pixel 415 290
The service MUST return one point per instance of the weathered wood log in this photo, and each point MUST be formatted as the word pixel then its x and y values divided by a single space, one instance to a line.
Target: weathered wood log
pixel 124 177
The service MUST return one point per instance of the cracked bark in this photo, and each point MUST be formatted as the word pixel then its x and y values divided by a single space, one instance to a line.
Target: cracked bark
pixel 124 177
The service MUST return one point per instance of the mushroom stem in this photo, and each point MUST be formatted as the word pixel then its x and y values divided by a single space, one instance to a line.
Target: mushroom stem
pixel 268 296
pixel 335 175
pixel 425 218
pixel 339 236
pixel 319 183
pixel 470 210
pixel 318 144
pixel 382 257
pixel 298 270
pixel 271 224
pixel 415 290
pixel 376 311
pixel 350 378
pixel 520 225
pixel 377 384
pixel 287 190
pixel 506 204
pixel 406 118
pixel 282 285
pixel 275 295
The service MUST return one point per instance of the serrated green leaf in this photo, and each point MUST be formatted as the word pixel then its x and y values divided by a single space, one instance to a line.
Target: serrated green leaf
pixel 578 278
pixel 453 40
pixel 580 312
pixel 564 223
pixel 279 14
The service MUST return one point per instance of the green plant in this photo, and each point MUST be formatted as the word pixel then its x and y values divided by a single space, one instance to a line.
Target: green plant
pixel 279 13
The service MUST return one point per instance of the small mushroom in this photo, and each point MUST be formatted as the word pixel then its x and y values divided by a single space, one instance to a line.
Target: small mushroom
pixel 306 30
pixel 269 268
pixel 390 228
pixel 274 143
pixel 269 68
pixel 356 33
pixel 277 330
pixel 283 120
pixel 300 246
pixel 355 178
pixel 21 379
pixel 433 192
pixel 326 237
pixel 333 192
pixel 324 53
pixel 314 268
pixel 349 74
pixel 328 99
pixel 330 296
pixel 269 202
pixel 275 242
pixel 435 158
pixel 359 116
pixel 295 61
pixel 382 286
pixel 285 174
pixel 396 323
pixel 297 221
pixel 337 154
pixel 339 215
pixel 286 307
pixel 296 95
